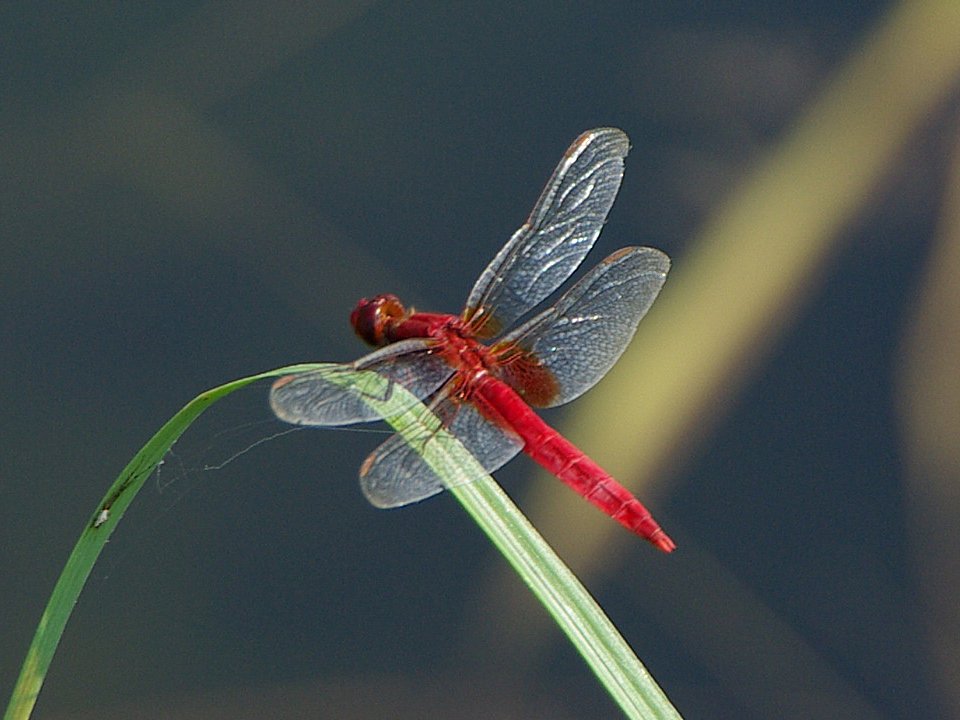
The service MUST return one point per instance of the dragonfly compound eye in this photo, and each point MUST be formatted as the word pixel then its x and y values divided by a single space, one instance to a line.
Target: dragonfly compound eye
pixel 373 319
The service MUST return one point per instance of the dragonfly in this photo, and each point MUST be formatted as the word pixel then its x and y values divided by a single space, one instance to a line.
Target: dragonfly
pixel 483 371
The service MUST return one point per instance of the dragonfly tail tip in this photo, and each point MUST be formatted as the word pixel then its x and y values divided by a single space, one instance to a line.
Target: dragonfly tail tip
pixel 662 541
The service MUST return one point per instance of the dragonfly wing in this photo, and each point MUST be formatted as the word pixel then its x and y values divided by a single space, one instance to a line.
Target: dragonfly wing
pixel 556 237
pixel 335 396
pixel 581 337
pixel 395 474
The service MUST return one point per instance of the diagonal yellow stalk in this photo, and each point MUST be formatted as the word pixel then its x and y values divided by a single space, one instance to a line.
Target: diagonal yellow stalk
pixel 575 611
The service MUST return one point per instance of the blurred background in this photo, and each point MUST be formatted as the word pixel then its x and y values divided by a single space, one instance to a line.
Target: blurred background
pixel 192 192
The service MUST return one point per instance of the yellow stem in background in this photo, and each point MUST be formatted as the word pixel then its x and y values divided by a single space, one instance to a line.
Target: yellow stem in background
pixel 727 300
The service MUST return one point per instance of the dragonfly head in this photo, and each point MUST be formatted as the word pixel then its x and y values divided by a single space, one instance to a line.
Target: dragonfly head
pixel 373 319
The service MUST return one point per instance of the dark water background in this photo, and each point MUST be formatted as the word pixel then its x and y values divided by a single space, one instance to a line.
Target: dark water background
pixel 194 192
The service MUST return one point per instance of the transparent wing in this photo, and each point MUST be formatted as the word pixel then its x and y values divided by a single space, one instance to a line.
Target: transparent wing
pixel 556 237
pixel 328 397
pixel 581 337
pixel 395 474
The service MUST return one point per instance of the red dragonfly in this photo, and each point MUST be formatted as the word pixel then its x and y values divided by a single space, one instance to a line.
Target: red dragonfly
pixel 483 393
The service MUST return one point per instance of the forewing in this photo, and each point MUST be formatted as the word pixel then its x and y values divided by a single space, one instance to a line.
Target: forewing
pixel 580 338
pixel 395 474
pixel 328 397
pixel 556 237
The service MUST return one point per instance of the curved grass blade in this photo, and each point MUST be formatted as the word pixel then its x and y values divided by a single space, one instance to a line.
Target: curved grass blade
pixel 578 615
pixel 95 535
pixel 565 598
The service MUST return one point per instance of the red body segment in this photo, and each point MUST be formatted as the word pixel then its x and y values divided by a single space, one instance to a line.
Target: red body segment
pixel 552 451
pixel 474 364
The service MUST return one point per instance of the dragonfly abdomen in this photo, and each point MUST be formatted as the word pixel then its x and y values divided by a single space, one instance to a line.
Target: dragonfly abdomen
pixel 549 449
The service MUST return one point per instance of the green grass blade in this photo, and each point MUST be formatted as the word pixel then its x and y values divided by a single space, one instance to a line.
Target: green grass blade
pixel 565 598
pixel 95 535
